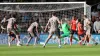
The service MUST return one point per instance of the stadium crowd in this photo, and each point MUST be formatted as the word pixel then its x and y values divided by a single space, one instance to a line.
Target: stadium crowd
pixel 26 18
pixel 48 20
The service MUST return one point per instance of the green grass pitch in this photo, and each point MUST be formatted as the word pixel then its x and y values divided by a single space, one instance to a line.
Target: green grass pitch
pixel 50 50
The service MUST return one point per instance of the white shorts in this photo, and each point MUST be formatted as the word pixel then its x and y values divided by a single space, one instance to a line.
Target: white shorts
pixel 56 32
pixel 88 32
pixel 12 30
pixel 32 34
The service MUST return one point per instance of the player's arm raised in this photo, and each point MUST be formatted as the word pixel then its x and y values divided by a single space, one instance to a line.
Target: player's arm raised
pixel 58 21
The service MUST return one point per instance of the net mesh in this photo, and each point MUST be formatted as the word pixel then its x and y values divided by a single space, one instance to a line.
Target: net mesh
pixel 26 13
pixel 39 7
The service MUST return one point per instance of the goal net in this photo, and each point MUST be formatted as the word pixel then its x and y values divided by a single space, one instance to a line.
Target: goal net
pixel 27 12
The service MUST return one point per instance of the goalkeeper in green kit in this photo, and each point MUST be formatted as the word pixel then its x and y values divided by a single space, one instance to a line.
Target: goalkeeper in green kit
pixel 66 30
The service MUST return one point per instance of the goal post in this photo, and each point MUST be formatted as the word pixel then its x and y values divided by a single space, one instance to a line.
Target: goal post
pixel 15 7
pixel 27 11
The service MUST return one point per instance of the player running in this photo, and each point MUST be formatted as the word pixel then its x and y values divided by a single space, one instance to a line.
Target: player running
pixel 33 31
pixel 87 28
pixel 80 31
pixel 66 30
pixel 73 28
pixel 11 28
pixel 12 35
pixel 54 22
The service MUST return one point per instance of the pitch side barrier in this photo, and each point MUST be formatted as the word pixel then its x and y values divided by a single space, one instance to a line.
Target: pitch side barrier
pixel 53 40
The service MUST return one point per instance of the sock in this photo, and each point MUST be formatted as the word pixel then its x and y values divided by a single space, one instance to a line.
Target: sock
pixel 75 39
pixel 44 44
pixel 59 45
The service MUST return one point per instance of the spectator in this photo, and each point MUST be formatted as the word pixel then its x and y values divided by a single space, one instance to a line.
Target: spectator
pixel 94 15
pixel 97 25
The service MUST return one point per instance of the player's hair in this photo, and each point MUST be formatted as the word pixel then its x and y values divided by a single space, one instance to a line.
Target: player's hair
pixel 79 20
pixel 74 17
pixel 37 20
pixel 85 16
pixel 97 18
pixel 12 15
pixel 54 13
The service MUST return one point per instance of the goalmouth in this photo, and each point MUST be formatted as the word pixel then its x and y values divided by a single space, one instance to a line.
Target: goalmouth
pixel 44 6
pixel 42 10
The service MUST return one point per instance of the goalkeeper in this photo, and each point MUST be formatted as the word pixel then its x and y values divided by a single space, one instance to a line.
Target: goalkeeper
pixel 66 30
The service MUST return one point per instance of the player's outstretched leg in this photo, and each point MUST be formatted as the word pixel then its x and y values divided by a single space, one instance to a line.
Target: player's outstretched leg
pixel 35 41
pixel 71 37
pixel 18 40
pixel 9 42
pixel 49 37
pixel 29 39
pixel 63 36
pixel 59 41
pixel 96 43
pixel 65 42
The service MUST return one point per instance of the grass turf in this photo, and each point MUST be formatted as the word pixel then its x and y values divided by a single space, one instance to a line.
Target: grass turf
pixel 50 50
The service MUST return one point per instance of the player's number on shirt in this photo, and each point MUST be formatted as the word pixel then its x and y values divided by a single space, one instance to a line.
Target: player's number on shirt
pixel 53 22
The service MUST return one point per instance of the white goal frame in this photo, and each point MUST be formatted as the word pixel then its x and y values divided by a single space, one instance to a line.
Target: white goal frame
pixel 45 3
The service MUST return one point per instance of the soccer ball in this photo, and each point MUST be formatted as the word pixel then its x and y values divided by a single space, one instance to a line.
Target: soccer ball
pixel 53 37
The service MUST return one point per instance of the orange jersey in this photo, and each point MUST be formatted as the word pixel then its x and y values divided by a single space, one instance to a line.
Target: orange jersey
pixel 80 29
pixel 73 25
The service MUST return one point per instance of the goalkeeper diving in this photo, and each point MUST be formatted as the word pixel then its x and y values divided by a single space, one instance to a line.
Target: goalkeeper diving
pixel 65 26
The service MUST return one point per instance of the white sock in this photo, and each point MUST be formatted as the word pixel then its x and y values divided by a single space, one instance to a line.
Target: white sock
pixel 9 44
pixel 59 45
pixel 44 44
